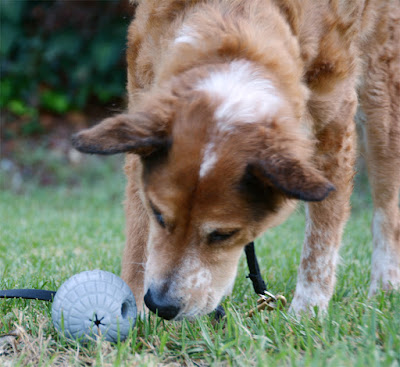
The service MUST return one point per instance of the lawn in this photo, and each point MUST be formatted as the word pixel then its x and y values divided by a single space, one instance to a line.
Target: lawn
pixel 47 234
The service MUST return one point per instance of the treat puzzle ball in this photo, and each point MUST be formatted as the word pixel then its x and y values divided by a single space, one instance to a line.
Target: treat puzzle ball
pixel 94 303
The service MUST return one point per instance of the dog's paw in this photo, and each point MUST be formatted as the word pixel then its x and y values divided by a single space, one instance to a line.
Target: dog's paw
pixel 385 269
pixel 306 305
pixel 386 279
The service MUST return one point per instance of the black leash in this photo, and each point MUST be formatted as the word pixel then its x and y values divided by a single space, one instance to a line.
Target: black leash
pixel 255 275
pixel 39 294
pixel 44 295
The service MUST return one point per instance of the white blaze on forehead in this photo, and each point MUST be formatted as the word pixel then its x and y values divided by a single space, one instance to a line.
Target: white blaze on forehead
pixel 209 159
pixel 187 35
pixel 247 96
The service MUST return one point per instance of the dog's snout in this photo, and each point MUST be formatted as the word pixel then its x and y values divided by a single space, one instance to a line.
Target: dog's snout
pixel 158 302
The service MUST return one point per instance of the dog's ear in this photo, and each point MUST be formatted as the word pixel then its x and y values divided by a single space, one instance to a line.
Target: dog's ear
pixel 140 133
pixel 299 180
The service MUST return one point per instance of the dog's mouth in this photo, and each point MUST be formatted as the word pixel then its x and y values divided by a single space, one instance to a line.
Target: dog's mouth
pixel 195 312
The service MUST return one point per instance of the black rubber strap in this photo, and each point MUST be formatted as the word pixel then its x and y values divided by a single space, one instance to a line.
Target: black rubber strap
pixel 255 274
pixel 39 294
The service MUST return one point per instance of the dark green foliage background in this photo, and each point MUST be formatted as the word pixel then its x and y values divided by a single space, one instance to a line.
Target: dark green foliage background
pixel 60 55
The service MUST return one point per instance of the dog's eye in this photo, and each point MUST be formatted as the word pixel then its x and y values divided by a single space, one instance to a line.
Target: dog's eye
pixel 159 216
pixel 217 236
pixel 160 219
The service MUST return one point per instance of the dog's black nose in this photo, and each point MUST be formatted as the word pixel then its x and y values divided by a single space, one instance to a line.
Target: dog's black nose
pixel 161 304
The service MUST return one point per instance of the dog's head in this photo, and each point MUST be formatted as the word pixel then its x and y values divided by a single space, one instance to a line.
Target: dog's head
pixel 223 156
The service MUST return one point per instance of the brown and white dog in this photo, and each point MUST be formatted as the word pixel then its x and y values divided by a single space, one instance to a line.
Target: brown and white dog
pixel 237 109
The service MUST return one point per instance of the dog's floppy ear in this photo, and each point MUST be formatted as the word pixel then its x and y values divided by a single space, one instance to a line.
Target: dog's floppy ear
pixel 296 179
pixel 140 133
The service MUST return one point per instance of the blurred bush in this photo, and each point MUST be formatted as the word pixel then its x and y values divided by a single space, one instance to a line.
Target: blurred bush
pixel 57 56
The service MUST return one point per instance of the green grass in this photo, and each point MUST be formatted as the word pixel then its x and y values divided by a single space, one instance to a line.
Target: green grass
pixel 49 234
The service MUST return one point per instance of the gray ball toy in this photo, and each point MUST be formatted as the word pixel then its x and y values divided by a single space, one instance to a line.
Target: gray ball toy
pixel 94 303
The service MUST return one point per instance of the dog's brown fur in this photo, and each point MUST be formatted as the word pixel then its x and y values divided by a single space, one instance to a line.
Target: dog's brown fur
pixel 198 191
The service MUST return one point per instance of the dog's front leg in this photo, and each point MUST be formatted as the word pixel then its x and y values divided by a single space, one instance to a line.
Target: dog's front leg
pixel 325 220
pixel 134 257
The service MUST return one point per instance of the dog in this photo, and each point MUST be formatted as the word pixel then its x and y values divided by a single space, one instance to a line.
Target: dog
pixel 237 110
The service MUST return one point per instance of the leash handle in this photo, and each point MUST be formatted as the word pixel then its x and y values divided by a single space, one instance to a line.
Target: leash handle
pixel 255 274
pixel 39 294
